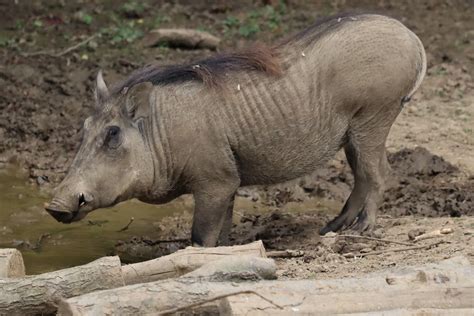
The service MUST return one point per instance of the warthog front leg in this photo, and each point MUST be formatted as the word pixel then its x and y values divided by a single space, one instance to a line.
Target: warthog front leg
pixel 227 225
pixel 212 219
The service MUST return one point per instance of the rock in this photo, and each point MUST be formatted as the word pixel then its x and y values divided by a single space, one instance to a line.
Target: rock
pixel 181 38
pixel 42 180
pixel 22 73
pixel 92 45
pixel 412 234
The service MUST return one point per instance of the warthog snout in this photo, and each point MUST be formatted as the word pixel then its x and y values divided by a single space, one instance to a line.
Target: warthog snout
pixel 71 211
pixel 60 216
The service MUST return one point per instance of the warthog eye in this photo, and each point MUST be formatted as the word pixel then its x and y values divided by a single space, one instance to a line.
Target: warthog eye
pixel 112 139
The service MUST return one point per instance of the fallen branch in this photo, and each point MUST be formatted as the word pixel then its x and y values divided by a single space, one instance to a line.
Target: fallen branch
pixel 184 38
pixel 371 238
pixel 433 234
pixel 126 226
pixel 51 53
pixel 380 252
pixel 11 263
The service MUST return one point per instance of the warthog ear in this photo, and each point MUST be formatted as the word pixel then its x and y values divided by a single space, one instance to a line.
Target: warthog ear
pixel 138 99
pixel 101 90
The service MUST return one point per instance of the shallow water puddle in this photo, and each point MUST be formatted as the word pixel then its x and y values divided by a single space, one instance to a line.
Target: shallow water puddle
pixel 48 245
pixel 23 222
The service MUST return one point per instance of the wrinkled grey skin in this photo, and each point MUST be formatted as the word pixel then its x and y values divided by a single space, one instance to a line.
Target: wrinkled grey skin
pixel 344 90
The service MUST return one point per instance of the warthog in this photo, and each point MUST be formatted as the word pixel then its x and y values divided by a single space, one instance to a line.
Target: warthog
pixel 260 116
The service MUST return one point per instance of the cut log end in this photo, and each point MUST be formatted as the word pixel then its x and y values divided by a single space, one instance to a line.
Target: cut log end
pixel 11 263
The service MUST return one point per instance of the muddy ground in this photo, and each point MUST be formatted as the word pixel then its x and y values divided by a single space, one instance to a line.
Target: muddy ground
pixel 425 195
pixel 45 99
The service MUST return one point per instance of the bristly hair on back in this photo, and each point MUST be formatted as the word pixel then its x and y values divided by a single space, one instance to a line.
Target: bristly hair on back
pixel 209 71
pixel 323 26
pixel 259 57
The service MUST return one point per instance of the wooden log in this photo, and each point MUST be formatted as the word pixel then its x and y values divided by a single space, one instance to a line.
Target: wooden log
pixel 184 38
pixel 38 294
pixel 11 263
pixel 184 261
pixel 448 285
pixel 418 312
pixel 235 268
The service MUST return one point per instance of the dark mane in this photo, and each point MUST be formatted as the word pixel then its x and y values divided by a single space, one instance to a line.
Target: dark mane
pixel 208 71
pixel 259 57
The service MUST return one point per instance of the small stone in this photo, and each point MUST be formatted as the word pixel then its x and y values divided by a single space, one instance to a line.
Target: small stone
pixel 415 233
pixel 42 180
pixel 378 233
pixel 92 45
pixel 366 250
pixel 5 230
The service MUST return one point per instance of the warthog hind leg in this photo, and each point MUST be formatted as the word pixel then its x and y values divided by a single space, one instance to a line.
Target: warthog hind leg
pixel 365 152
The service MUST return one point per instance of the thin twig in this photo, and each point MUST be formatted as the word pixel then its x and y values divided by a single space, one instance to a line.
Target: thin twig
pixel 380 252
pixel 126 226
pixel 217 297
pixel 39 242
pixel 161 241
pixel 285 253
pixel 63 52
pixel 243 216
pixel 433 234
pixel 371 238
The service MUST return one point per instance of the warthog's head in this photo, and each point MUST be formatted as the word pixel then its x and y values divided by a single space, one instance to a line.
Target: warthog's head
pixel 114 162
